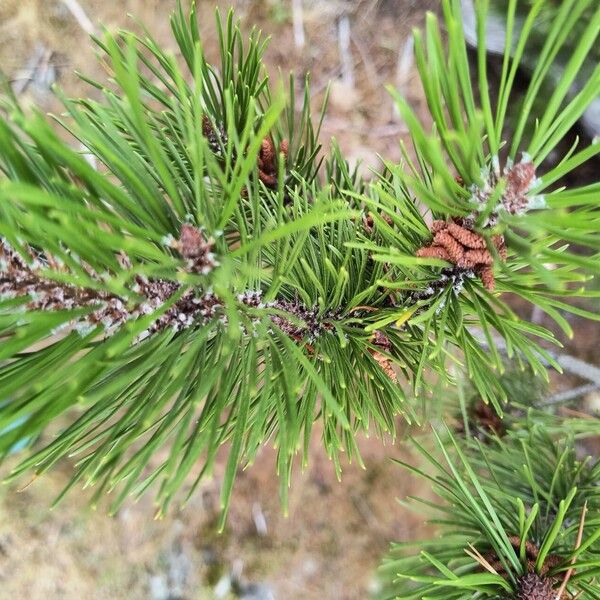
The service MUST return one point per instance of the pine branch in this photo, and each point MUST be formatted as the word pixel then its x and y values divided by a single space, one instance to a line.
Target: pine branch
pixel 510 518
pixel 211 300
pixel 496 223
pixel 216 281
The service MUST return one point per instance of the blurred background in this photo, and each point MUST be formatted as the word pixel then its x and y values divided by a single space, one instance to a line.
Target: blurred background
pixel 329 545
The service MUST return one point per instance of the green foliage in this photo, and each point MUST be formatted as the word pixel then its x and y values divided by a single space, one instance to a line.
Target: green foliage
pixel 507 506
pixel 229 378
pixel 215 280
pixel 526 487
pixel 545 20
pixel 465 168
pixel 149 409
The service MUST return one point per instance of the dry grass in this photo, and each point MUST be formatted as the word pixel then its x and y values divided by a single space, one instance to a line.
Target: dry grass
pixel 327 547
pixel 361 116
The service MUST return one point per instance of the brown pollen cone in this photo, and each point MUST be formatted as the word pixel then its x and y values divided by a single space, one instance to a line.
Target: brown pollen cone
pixel 379 339
pixel 207 128
pixel 464 248
pixel 267 161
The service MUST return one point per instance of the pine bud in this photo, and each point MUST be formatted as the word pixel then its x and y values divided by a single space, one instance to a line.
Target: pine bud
pixel 534 587
pixel 194 247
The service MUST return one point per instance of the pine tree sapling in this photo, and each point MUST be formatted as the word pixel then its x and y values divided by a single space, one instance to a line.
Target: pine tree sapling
pixel 518 518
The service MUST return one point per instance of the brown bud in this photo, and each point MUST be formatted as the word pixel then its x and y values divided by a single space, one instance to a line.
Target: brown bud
pixel 191 241
pixel 207 128
pixel 534 587
pixel 518 181
pixel 520 177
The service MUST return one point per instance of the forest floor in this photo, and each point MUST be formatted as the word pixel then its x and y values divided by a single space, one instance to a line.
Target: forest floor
pixel 329 545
